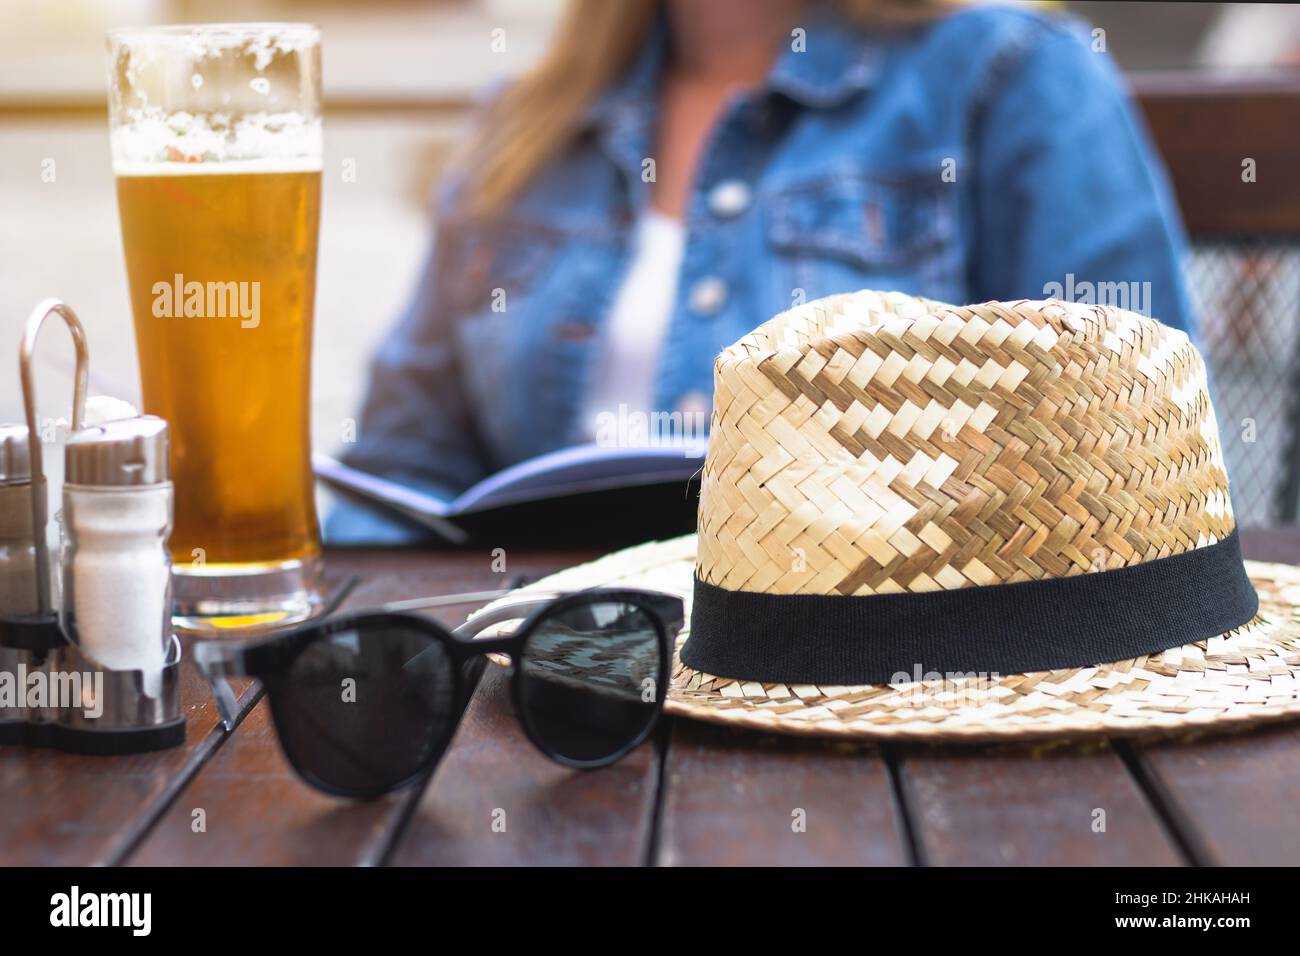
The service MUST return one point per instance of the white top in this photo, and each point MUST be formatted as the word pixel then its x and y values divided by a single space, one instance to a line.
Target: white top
pixel 638 324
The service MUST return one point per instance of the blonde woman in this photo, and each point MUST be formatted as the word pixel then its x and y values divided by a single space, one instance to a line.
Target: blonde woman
pixel 674 173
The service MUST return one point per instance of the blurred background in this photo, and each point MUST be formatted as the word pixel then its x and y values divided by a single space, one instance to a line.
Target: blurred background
pixel 400 77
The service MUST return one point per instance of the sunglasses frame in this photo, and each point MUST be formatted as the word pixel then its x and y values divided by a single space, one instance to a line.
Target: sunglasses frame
pixel 270 659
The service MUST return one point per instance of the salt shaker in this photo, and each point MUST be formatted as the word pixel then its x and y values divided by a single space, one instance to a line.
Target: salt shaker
pixel 18 588
pixel 117 514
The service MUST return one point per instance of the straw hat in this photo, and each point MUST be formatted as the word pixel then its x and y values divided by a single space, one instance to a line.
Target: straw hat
pixel 1003 520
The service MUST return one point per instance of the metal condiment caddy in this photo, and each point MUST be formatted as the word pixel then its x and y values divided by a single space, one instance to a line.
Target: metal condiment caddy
pixel 57 695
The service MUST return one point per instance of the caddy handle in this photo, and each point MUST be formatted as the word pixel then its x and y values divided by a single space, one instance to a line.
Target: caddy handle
pixel 40 510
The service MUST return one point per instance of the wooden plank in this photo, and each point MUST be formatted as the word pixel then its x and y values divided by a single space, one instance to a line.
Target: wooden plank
pixel 1232 797
pixel 257 810
pixel 496 800
pixel 72 809
pixel 737 798
pixel 1030 806
pixel 1034 805
pixel 1205 128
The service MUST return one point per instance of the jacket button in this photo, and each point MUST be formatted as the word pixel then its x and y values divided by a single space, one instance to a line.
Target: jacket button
pixel 708 295
pixel 729 198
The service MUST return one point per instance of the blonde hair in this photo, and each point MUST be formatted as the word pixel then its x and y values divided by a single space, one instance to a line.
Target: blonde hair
pixel 596 40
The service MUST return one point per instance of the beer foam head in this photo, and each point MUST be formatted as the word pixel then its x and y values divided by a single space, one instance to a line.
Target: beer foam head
pixel 215 93
pixel 182 139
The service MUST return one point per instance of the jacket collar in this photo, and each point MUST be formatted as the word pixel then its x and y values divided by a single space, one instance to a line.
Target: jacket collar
pixel 828 64
pixel 825 66
pixel 832 63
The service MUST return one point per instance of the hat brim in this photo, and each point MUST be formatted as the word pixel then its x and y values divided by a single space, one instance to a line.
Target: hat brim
pixel 1249 674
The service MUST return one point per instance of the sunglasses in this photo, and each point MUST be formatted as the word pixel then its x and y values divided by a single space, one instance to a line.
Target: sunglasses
pixel 364 703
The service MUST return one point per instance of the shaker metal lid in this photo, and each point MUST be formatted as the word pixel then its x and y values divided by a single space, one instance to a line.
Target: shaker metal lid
pixel 15 459
pixel 130 451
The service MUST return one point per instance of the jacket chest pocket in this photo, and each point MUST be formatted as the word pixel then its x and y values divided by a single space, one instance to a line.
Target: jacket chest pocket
pixel 526 302
pixel 845 232
pixel 484 267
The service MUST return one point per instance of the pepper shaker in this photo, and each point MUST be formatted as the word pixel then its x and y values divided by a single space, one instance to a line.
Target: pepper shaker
pixel 117 515
pixel 18 590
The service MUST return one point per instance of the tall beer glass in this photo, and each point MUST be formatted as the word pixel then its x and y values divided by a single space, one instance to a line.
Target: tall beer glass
pixel 216 143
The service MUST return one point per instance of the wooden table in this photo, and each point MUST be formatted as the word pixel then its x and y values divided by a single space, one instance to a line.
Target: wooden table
pixel 695 795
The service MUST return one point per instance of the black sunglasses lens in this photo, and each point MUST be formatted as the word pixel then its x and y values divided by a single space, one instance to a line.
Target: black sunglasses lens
pixel 363 708
pixel 589 679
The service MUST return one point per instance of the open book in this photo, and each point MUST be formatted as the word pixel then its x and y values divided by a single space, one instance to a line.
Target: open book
pixel 618 488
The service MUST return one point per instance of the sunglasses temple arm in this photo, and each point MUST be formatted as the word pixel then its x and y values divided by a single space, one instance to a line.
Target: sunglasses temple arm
pixel 227 705
pixel 446 600
pixel 668 607
pixel 215 661
pixel 514 611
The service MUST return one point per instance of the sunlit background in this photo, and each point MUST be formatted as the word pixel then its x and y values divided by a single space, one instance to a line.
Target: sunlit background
pixel 400 78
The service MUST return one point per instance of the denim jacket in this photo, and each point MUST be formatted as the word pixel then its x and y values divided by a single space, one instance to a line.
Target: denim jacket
pixel 988 154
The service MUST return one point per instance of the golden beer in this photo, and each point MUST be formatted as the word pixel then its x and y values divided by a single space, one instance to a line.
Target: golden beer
pixel 216 142
pixel 236 384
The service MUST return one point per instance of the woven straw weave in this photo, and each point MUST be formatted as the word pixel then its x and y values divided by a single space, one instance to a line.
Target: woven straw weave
pixel 874 443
